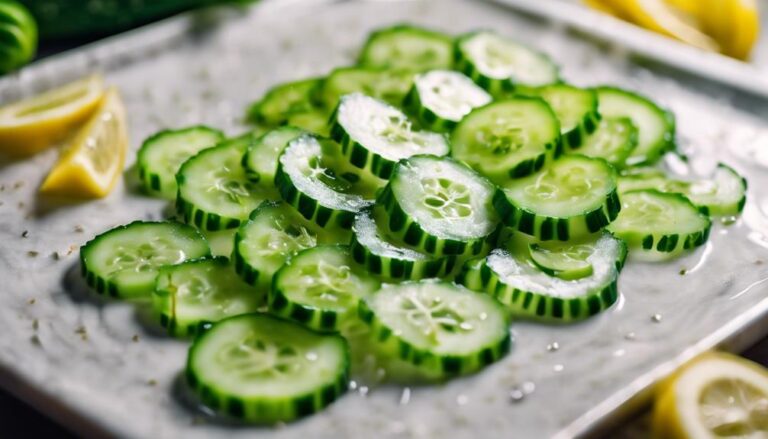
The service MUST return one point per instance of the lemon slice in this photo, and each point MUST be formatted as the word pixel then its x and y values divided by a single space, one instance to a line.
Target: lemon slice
pixel 90 165
pixel 31 125
pixel 716 395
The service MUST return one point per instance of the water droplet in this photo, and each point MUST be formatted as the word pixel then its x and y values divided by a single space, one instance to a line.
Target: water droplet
pixel 462 400
pixel 728 220
pixel 483 316
pixel 381 374
pixel 405 396
pixel 558 368
pixel 466 326
pixel 656 318
pixel 528 387
pixel 311 356
pixel 352 385
pixel 516 395
pixel 619 352
pixel 363 390
pixel 554 346
pixel 630 336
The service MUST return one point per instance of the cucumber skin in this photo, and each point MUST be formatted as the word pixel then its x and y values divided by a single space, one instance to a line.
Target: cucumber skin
pixel 357 155
pixel 365 61
pixel 405 228
pixel 444 365
pixel 18 36
pixel 426 117
pixel 248 411
pixel 153 182
pixel 103 286
pixel 478 276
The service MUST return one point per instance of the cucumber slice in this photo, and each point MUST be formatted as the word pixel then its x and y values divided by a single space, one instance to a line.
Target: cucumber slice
pixel 283 101
pixel 507 139
pixel 390 86
pixel 372 249
pixel 123 262
pixel 262 369
pixel 260 161
pixel 574 196
pixel 222 242
pixel 722 194
pixel 439 206
pixel 188 297
pixel 438 326
pixel 659 226
pixel 516 281
pixel 320 288
pixel 161 156
pixel 408 48
pixel 498 64
pixel 374 136
pixel 613 140
pixel 307 182
pixel 314 121
pixel 274 232
pixel 566 261
pixel 214 192
pixel 575 108
pixel 656 127
pixel 441 98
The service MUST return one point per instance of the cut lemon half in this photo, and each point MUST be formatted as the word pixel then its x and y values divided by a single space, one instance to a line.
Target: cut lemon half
pixel 717 395
pixel 90 165
pixel 34 124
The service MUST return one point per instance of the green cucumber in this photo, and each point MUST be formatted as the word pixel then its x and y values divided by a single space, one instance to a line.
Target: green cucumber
pixel 320 288
pixel 307 182
pixel 507 139
pixel 575 108
pixel 162 154
pixel 282 102
pixel 613 140
pixel 659 226
pixel 123 262
pixel 529 292
pixel 574 196
pixel 18 36
pixel 439 99
pixel 374 136
pixel 264 370
pixel 375 251
pixel 656 126
pixel 188 297
pixel 499 65
pixel 214 192
pixel 407 47
pixel 390 86
pixel 440 327
pixel 274 232
pixel 439 206
pixel 564 260
pixel 260 161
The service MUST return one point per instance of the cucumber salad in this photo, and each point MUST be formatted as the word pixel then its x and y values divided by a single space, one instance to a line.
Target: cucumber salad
pixel 406 208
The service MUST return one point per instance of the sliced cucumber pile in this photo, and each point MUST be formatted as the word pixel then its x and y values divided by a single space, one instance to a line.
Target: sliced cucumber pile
pixel 190 296
pixel 400 210
pixel 407 47
pixel 161 156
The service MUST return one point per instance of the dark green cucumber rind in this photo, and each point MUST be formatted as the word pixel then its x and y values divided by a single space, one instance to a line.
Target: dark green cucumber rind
pixel 365 58
pixel 153 182
pixel 424 115
pixel 548 228
pixel 667 243
pixel 200 218
pixel 477 275
pixel 249 409
pixel 743 201
pixel 102 285
pixel 446 365
pixel 496 87
pixel 308 207
pixel 358 155
pixel 253 154
pixel 667 144
pixel 404 228
pixel 393 268
pixel 294 97
pixel 387 85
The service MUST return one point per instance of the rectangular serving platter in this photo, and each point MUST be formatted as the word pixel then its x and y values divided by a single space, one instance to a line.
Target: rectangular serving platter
pixel 94 366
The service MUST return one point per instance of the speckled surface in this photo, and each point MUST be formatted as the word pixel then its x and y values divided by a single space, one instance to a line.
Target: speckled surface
pixel 96 359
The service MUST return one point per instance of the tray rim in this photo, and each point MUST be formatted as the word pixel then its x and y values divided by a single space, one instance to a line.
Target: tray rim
pixel 734 336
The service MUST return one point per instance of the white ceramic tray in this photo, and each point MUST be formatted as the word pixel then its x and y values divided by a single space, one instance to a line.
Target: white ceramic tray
pixel 93 365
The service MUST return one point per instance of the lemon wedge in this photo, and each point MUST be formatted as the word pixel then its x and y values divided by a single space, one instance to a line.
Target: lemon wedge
pixel 34 124
pixel 90 165
pixel 735 24
pixel 715 395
